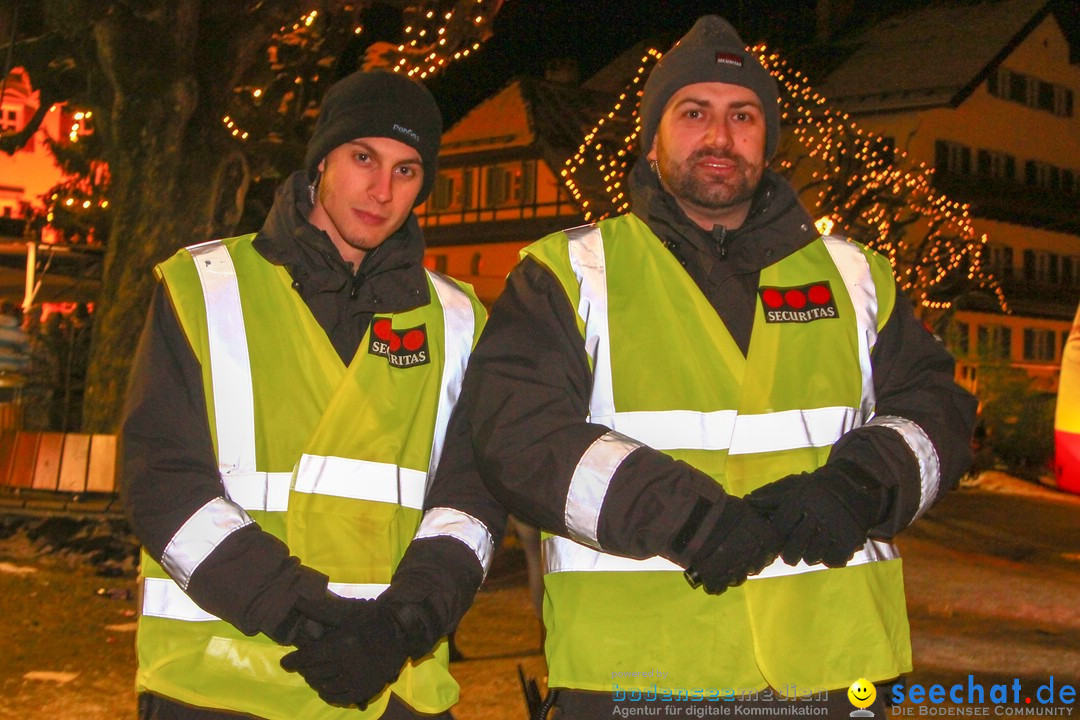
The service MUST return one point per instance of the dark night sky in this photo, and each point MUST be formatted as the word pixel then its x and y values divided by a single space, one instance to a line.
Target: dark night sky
pixel 529 33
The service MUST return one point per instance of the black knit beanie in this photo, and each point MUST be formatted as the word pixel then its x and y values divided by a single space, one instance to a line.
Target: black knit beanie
pixel 378 103
pixel 711 52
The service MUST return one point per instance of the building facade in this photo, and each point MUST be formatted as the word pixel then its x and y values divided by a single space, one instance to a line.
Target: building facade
pixel 983 94
pixel 986 95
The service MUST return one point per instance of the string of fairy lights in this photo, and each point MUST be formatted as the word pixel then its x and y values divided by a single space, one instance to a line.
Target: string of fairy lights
pixel 613 164
pixel 865 184
pixel 433 39
pixel 79 195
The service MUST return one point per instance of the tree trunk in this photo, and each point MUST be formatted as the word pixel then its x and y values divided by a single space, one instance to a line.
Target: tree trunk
pixel 170 205
pixel 177 179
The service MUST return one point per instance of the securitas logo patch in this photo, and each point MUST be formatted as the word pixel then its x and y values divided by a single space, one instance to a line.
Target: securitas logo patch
pixel 798 304
pixel 401 348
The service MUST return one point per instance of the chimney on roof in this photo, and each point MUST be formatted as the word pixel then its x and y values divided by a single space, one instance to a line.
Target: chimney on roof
pixel 831 16
pixel 563 71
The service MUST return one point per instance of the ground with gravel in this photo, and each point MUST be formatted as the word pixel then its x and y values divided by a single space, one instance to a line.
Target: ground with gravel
pixel 993 577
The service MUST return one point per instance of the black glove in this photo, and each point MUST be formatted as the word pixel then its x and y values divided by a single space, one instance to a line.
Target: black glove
pixel 361 653
pixel 825 515
pixel 723 542
pixel 297 629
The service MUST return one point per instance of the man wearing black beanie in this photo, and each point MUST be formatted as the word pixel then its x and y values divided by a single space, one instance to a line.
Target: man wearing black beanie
pixel 288 401
pixel 720 416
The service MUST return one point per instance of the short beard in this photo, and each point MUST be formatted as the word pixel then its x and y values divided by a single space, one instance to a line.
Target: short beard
pixel 684 185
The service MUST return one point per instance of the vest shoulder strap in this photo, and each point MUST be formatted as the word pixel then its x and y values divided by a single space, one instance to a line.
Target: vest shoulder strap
pixel 230 366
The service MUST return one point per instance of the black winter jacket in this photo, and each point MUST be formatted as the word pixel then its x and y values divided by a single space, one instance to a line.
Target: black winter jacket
pixel 169 469
pixel 519 428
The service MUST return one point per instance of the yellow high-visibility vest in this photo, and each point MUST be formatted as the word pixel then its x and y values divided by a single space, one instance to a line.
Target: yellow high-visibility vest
pixel 334 460
pixel 667 374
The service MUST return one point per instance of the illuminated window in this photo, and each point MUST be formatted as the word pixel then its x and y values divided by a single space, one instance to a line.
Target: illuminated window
pixel 998 165
pixel 1031 91
pixel 442 194
pixel 961 344
pixel 510 184
pixel 468 189
pixel 436 262
pixel 1039 345
pixel 498 186
pixel 9 120
pixel 995 342
pixel 952 157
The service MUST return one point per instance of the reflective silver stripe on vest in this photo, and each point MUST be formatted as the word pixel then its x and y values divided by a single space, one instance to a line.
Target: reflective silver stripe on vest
pixel 234 413
pixel 587 261
pixel 360 591
pixel 259 491
pixel 199 535
pixel 563 555
pixel 230 366
pixel 738 434
pixel 163 598
pixel 685 429
pixel 675 429
pixel 592 476
pixel 855 269
pixel 925 452
pixel 447 522
pixel 718 430
pixel 791 429
pixel 589 484
pixel 459 326
pixel 360 480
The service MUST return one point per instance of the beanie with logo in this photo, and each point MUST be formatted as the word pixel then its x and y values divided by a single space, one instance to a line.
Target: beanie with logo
pixel 711 52
pixel 378 103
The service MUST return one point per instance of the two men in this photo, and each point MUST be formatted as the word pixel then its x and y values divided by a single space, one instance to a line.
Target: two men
pixel 720 416
pixel 288 403
pixel 707 387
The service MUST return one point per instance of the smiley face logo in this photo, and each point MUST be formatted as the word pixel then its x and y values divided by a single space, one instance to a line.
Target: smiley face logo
pixel 862 693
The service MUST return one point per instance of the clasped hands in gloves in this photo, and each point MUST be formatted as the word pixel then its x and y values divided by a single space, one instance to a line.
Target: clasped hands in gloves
pixel 361 649
pixel 822 516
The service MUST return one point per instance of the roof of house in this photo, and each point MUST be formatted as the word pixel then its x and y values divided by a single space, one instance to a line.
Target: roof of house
pixel 550 118
pixel 929 57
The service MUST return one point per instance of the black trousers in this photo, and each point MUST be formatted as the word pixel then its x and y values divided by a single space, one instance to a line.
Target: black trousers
pixel 156 707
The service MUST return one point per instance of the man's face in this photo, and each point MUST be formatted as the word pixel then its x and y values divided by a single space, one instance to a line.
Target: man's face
pixel 710 151
pixel 366 192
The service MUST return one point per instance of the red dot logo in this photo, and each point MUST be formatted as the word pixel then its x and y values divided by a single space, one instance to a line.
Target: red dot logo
pixel 772 298
pixel 795 298
pixel 383 330
pixel 819 294
pixel 395 342
pixel 413 340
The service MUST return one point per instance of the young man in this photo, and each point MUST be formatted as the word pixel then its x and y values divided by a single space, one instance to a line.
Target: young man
pixel 289 400
pixel 707 387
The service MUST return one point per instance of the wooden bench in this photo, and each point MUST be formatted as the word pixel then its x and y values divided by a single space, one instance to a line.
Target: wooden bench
pixel 65 471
